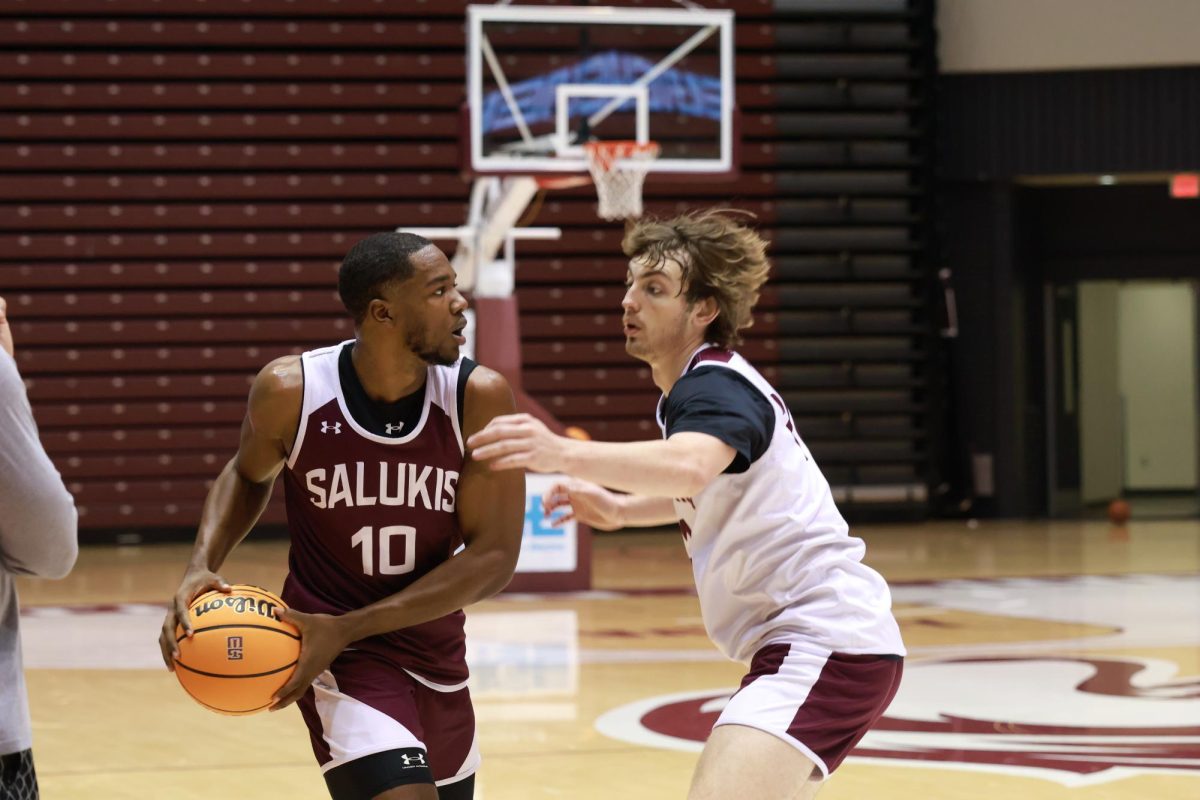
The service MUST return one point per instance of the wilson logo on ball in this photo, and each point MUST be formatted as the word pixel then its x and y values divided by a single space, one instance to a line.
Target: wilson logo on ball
pixel 241 605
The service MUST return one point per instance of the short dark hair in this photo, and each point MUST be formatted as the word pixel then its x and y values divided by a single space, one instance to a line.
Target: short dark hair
pixel 719 256
pixel 375 261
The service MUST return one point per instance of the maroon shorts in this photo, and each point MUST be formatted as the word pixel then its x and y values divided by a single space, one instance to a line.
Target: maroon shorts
pixel 364 705
pixel 821 705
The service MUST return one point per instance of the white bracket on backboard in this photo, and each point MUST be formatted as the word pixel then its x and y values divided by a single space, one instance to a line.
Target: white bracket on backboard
pixel 564 143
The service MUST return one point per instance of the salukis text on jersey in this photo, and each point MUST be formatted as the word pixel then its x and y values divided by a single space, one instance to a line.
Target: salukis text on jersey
pixel 389 484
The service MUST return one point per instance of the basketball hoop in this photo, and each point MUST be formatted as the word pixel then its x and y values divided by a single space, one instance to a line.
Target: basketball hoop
pixel 619 169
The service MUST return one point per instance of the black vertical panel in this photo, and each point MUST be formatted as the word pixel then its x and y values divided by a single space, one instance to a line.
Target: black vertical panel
pixel 1030 123
pixel 990 241
pixel 885 456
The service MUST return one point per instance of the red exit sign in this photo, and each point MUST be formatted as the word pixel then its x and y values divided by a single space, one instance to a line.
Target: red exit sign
pixel 1185 186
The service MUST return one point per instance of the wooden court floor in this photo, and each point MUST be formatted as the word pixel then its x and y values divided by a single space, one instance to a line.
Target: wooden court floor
pixel 1047 660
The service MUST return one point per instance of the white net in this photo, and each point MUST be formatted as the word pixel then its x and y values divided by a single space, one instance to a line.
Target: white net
pixel 619 169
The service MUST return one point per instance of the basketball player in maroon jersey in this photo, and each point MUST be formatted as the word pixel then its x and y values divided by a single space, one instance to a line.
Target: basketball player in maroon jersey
pixel 394 530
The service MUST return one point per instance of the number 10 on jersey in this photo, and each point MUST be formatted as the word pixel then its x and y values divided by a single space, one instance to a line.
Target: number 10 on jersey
pixel 366 539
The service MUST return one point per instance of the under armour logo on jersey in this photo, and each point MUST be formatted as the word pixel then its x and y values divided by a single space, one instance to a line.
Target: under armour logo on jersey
pixel 393 428
pixel 417 760
pixel 326 427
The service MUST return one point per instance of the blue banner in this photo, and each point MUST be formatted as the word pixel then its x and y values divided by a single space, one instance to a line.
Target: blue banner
pixel 673 92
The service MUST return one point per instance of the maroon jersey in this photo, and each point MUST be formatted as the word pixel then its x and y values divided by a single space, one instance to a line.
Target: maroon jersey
pixel 370 514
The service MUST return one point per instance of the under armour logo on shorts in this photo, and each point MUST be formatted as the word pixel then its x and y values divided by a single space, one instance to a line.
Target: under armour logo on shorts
pixel 393 428
pixel 326 427
pixel 417 760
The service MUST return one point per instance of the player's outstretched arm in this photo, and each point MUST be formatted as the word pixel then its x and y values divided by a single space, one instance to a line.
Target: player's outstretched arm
pixel 596 506
pixel 680 466
pixel 242 489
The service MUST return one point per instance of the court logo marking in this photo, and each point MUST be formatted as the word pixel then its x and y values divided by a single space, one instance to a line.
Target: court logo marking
pixel 1076 721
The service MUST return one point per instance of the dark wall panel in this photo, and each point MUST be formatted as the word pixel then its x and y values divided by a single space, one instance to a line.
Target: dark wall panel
pixel 998 126
pixel 1126 232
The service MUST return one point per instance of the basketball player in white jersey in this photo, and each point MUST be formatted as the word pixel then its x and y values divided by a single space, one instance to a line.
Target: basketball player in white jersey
pixel 393 529
pixel 781 583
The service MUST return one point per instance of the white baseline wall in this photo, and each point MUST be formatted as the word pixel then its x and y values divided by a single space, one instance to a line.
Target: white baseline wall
pixel 1156 357
pixel 1036 35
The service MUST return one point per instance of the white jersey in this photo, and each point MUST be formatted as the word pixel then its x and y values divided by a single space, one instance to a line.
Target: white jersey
pixel 771 553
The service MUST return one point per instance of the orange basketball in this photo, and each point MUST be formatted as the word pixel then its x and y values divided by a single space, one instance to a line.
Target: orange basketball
pixel 1119 512
pixel 575 432
pixel 239 654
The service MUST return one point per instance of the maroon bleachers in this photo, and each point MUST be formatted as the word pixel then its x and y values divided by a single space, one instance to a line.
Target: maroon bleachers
pixel 178 181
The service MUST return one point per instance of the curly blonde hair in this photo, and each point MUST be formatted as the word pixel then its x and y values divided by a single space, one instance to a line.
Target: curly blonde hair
pixel 720 258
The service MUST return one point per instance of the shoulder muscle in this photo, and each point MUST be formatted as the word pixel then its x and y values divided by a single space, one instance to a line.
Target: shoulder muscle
pixel 488 395
pixel 276 397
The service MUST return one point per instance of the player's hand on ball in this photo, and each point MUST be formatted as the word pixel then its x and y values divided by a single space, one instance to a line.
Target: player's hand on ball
pixel 322 639
pixel 194 583
pixel 518 440
pixel 586 502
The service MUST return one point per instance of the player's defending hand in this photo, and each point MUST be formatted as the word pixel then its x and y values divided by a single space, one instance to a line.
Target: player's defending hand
pixel 322 639
pixel 194 583
pixel 586 502
pixel 519 440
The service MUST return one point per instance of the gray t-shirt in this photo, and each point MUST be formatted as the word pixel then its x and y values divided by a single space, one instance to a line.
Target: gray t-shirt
pixel 38 536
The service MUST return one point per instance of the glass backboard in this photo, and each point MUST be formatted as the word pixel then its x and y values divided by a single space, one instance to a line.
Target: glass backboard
pixel 543 80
